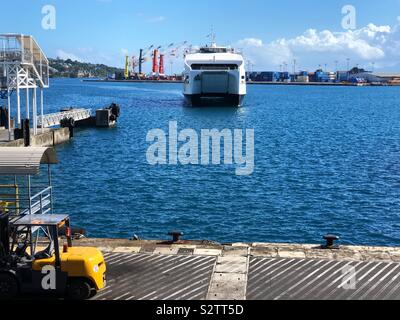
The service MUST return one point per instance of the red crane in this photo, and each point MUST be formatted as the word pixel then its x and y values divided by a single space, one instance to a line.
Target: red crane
pixel 162 69
pixel 158 56
pixel 155 61
pixel 159 65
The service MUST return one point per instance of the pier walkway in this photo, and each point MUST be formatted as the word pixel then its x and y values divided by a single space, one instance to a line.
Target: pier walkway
pixel 149 270
pixel 54 119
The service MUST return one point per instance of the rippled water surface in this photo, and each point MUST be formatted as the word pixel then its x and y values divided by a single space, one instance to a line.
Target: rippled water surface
pixel 327 160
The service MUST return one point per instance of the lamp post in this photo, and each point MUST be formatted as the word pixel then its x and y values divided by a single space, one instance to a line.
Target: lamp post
pixel 348 68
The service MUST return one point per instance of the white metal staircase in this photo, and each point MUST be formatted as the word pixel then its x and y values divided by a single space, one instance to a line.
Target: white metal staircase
pixel 23 66
pixel 24 53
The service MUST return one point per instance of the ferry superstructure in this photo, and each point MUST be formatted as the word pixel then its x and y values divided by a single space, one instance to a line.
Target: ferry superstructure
pixel 214 72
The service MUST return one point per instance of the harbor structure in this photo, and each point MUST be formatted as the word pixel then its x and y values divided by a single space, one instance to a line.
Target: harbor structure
pixel 243 271
pixel 23 68
pixel 303 77
pixel 159 57
pixel 391 78
pixel 268 76
pixel 355 76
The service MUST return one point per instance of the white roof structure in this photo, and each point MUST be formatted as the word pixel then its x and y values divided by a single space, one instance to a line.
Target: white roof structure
pixel 225 58
pixel 24 50
pixel 213 55
pixel 15 161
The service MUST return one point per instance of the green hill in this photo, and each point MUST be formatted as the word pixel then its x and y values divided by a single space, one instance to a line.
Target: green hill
pixel 75 69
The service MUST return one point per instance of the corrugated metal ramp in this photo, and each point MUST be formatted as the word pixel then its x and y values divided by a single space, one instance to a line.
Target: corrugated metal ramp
pixel 285 279
pixel 157 277
pixel 146 276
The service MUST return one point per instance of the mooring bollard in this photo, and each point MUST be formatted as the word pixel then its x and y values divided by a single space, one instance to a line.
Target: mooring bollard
pixel 26 132
pixel 135 237
pixel 176 235
pixel 330 241
pixel 71 126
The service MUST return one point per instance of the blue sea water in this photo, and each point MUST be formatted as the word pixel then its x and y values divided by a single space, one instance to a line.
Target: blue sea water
pixel 327 159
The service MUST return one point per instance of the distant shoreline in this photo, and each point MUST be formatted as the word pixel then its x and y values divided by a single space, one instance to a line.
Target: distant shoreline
pixel 132 81
pixel 250 83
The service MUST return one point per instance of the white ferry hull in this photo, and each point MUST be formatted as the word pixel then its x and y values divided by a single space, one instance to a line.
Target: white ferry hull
pixel 197 100
pixel 214 76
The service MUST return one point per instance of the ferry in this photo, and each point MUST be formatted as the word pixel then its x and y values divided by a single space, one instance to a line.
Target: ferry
pixel 213 72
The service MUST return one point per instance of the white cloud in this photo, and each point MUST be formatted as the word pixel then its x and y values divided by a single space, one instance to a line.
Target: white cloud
pixel 379 44
pixel 311 49
pixel 265 55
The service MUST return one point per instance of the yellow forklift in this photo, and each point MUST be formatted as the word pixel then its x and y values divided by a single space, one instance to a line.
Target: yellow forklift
pixel 32 262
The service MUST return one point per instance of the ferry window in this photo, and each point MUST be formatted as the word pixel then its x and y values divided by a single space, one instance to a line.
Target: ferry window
pixel 214 67
pixel 213 50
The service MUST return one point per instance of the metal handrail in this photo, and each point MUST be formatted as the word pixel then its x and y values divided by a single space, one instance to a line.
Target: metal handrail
pixel 42 198
pixel 41 202
pixel 54 119
pixel 43 191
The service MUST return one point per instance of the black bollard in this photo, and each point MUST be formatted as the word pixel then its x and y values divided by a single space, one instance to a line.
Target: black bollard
pixel 176 235
pixel 330 241
pixel 26 129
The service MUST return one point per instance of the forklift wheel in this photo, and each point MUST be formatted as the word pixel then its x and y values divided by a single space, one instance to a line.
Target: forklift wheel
pixel 8 286
pixel 79 289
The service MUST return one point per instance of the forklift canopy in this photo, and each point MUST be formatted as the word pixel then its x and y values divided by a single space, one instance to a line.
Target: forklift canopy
pixel 42 220
pixel 15 161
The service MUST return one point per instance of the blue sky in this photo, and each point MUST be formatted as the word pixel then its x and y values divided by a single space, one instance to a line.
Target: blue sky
pixel 270 32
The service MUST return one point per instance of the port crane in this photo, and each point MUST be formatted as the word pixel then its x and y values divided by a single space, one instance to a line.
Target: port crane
pixel 127 65
pixel 175 52
pixel 172 51
pixel 144 57
pixel 132 63
pixel 156 54
pixel 160 52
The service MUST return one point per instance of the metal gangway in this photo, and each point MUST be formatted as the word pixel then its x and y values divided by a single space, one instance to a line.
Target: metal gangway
pixel 54 119
pixel 23 67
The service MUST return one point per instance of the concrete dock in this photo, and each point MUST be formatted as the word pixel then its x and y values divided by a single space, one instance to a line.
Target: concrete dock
pixel 151 270
pixel 49 138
